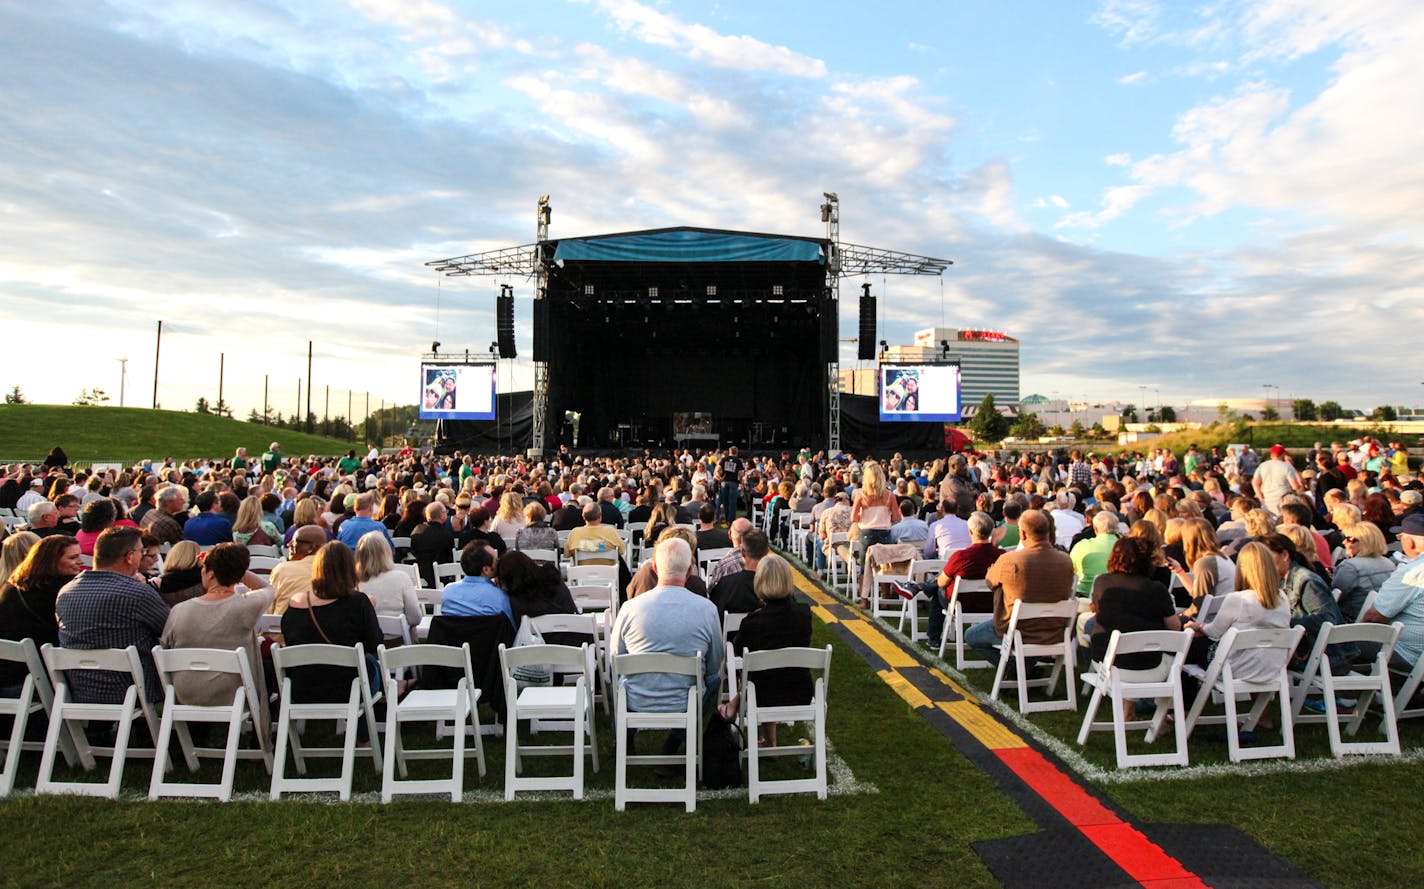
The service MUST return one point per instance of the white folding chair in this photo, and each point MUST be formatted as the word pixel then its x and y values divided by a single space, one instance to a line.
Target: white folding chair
pixel 359 704
pixel 401 547
pixel 1317 678
pixel 573 704
pixel 731 667
pixel 689 720
pixel 430 601
pixel 546 556
pixel 920 571
pixel 448 572
pixel 263 565
pixel 269 625
pixel 1162 684
pixel 1062 652
pixel 801 525
pixel 266 552
pixel 585 575
pixel 958 619
pixel 459 706
pixel 842 556
pixel 36 696
pixel 246 707
pixel 636 544
pixel 606 557
pixel 586 628
pixel 706 558
pixel 1219 681
pixel 411 570
pixel 885 601
pixel 73 717
pixel 754 716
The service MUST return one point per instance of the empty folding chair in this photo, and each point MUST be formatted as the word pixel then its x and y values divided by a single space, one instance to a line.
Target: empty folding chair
pixel 706 558
pixel 754 715
pixel 593 575
pixel 447 572
pixel 430 601
pixel 1317 678
pixel 544 556
pixel 74 717
pixel 731 667
pixel 1219 680
pixel 572 704
pixel 266 552
pixel 885 601
pixel 263 565
pixel 1061 651
pixel 1162 684
pixel 841 559
pixel 245 707
pixel 458 706
pixel 359 704
pixel 688 719
pixel 578 629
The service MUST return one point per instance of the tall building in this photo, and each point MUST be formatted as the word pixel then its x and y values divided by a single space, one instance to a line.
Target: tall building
pixel 988 361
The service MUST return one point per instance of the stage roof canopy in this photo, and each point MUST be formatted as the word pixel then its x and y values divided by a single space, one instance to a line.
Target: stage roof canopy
pixel 690 245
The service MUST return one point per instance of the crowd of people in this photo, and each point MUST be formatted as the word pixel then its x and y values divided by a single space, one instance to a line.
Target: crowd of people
pixel 1146 536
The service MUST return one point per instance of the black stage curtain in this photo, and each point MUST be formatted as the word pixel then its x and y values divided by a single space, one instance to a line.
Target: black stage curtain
pixel 862 432
pixel 509 433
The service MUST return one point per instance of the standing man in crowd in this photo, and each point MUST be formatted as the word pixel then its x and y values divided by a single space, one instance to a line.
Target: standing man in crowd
pixel 729 478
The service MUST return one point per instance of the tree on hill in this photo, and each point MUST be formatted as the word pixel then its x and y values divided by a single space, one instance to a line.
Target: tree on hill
pixel 1076 430
pixel 90 398
pixel 1027 426
pixel 202 406
pixel 1304 410
pixel 1270 413
pixel 1385 414
pixel 223 409
pixel 1331 410
pixel 988 424
pixel 1167 414
pixel 15 396
pixel 1129 413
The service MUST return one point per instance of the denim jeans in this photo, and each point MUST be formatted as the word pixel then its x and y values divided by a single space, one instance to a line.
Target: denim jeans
pixel 938 603
pixel 982 638
pixel 727 499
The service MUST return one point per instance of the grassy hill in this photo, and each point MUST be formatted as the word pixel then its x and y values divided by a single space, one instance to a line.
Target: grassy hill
pixel 129 434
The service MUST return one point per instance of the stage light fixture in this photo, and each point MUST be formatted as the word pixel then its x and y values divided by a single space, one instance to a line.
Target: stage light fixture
pixel 711 289
pixel 588 290
pixel 435 348
pixel 884 347
pixel 652 291
pixel 777 290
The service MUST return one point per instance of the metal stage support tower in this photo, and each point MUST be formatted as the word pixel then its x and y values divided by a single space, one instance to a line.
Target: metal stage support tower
pixel 541 368
pixel 831 216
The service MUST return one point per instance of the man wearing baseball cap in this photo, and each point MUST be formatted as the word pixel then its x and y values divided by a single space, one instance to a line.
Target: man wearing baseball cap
pixel 1274 479
pixel 1401 596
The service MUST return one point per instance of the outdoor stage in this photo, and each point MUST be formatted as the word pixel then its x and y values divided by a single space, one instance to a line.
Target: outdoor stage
pixel 636 331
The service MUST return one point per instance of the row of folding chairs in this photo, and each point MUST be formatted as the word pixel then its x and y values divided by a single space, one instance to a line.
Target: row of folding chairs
pixel 566 707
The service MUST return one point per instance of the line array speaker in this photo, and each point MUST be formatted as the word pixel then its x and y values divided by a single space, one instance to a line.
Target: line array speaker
pixel 504 316
pixel 866 350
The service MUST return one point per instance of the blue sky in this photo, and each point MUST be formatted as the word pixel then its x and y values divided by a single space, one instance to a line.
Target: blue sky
pixel 1198 198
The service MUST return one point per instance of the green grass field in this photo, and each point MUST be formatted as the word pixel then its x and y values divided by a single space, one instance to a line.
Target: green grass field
pixel 128 434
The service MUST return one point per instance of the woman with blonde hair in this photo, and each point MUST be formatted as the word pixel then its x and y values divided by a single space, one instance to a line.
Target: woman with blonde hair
pixel 1365 569
pixel 536 533
pixel 1212 573
pixel 182 577
pixel 1259 525
pixel 1257 603
pixel 509 518
pixel 781 622
pixel 874 508
pixel 1158 519
pixel 391 590
pixel 250 529
pixel 307 512
pixel 13 552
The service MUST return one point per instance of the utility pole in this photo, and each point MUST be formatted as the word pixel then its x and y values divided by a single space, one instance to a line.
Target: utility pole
pixel 222 366
pixel 123 377
pixel 265 415
pixel 309 418
pixel 350 424
pixel 156 350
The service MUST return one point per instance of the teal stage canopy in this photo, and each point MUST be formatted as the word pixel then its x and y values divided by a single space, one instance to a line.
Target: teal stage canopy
pixel 689 245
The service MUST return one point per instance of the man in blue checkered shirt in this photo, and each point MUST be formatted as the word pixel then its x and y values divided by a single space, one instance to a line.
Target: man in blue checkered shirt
pixel 109 608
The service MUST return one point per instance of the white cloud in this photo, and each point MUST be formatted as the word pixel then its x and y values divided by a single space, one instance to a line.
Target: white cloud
pixel 1121 159
pixel 1135 77
pixel 702 43
pixel 1134 21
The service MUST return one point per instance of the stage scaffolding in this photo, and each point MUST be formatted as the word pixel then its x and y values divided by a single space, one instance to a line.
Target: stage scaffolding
pixel 842 260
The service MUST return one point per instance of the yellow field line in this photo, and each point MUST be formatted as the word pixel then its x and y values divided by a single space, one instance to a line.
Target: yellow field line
pixel 986 729
pixel 902 687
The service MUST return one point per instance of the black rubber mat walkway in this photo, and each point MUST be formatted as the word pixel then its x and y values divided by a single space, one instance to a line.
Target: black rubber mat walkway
pixel 1085 840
